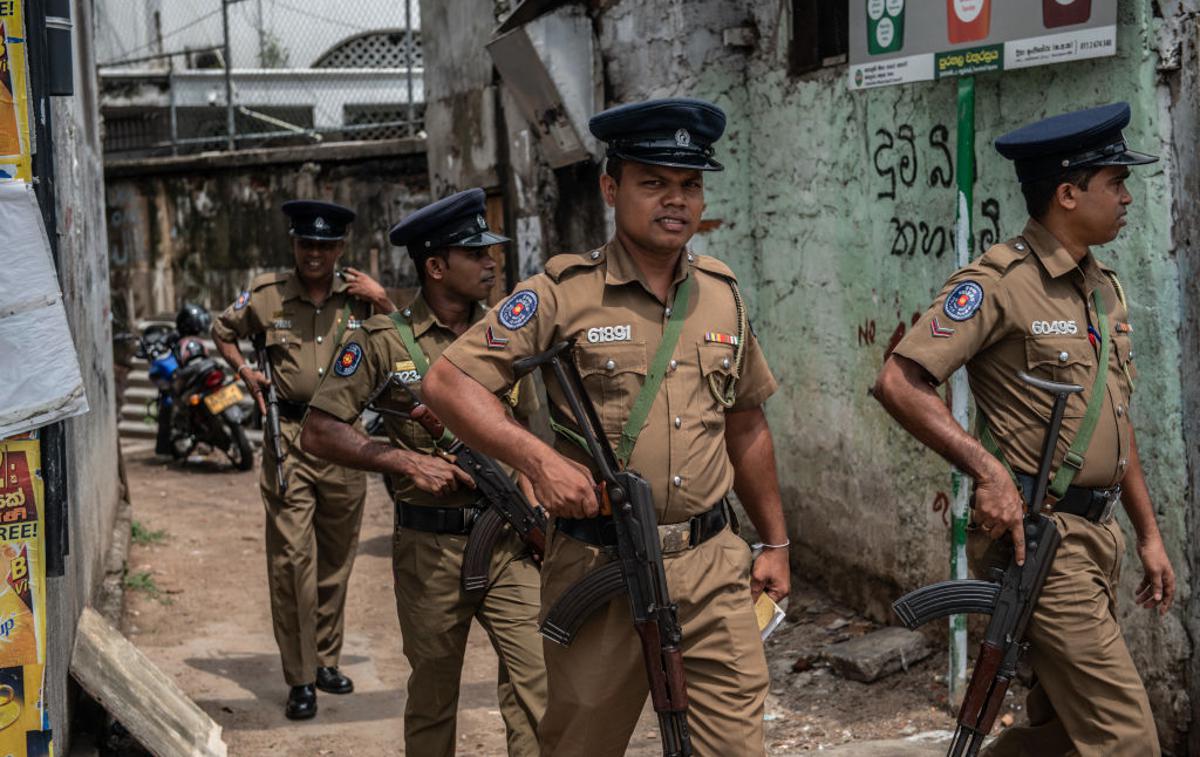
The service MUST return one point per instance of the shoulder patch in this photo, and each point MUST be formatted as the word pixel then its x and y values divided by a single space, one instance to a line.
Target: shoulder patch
pixel 709 264
pixel 518 309
pixel 347 362
pixel 242 300
pixel 560 264
pixel 963 301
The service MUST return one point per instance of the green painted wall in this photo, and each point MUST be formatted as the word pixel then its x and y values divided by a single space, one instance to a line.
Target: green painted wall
pixel 839 213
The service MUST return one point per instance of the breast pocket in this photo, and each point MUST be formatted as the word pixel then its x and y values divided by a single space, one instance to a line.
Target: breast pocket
pixel 1124 347
pixel 284 348
pixel 613 374
pixel 1065 359
pixel 718 373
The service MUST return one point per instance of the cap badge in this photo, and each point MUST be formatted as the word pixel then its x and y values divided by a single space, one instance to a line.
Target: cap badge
pixel 479 219
pixel 682 138
pixel 319 224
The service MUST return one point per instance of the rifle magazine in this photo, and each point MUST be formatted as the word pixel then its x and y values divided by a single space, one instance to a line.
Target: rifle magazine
pixel 477 558
pixel 580 600
pixel 943 599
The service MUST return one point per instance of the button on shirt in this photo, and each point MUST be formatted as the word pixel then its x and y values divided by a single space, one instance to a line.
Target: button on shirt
pixel 1034 315
pixel 300 337
pixel 383 352
pixel 603 302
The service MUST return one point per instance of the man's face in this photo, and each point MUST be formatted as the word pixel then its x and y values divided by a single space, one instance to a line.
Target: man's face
pixel 316 258
pixel 1099 211
pixel 658 208
pixel 468 272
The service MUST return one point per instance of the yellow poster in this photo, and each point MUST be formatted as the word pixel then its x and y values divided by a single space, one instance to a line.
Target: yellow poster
pixel 24 721
pixel 14 101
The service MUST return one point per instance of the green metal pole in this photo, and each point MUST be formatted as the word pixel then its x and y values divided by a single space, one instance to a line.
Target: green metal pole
pixel 957 676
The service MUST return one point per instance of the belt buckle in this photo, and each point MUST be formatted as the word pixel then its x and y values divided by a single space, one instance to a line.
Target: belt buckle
pixel 675 537
pixel 1114 496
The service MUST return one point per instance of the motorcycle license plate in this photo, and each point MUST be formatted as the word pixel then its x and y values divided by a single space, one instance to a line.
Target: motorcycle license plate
pixel 227 395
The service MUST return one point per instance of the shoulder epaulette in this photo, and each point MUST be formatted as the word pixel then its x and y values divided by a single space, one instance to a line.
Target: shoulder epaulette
pixel 559 265
pixel 377 323
pixel 1001 257
pixel 1112 275
pixel 267 279
pixel 709 264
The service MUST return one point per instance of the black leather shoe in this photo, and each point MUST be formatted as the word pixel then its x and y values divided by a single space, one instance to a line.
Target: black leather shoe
pixel 332 681
pixel 302 702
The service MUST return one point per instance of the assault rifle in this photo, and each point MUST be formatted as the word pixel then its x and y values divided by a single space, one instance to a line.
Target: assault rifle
pixel 637 571
pixel 271 421
pixel 1010 600
pixel 505 501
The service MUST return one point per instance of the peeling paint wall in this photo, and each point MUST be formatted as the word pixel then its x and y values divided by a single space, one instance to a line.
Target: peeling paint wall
pixel 837 210
pixel 183 234
pixel 92 482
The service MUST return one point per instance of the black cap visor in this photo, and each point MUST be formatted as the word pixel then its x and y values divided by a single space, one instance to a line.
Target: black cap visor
pixel 482 239
pixel 317 236
pixel 1127 158
pixel 672 159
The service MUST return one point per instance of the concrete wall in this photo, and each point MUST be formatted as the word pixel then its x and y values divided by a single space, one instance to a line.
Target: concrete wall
pixel 198 230
pixel 92 482
pixel 837 209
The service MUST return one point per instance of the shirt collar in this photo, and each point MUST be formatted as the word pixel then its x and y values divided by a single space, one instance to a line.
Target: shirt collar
pixel 294 289
pixel 622 269
pixel 422 317
pixel 1055 258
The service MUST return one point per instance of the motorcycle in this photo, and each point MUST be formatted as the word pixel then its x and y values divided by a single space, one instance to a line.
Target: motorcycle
pixel 197 403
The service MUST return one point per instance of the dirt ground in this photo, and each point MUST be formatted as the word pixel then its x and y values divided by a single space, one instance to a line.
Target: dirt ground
pixel 197 606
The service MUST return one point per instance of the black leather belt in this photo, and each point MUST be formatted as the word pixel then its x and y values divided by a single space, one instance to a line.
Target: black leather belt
pixel 675 537
pixel 293 411
pixel 436 520
pixel 1095 505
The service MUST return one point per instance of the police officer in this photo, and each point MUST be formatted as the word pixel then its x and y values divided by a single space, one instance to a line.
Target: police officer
pixel 1043 303
pixel 312 528
pixel 703 433
pixel 449 243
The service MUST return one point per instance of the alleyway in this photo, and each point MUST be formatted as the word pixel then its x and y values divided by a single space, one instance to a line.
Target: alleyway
pixel 197 606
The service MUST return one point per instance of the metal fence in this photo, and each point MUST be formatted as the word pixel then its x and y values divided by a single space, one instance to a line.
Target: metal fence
pixel 235 74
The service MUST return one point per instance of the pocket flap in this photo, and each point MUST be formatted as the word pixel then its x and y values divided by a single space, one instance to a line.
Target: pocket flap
pixel 1050 351
pixel 717 358
pixel 611 359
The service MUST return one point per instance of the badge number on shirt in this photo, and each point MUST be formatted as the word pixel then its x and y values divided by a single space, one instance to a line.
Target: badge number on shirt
pixel 603 334
pixel 1037 328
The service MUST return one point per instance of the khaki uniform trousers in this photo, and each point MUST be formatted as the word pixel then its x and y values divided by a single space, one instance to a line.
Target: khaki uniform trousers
pixel 1088 700
pixel 598 684
pixel 311 533
pixel 435 618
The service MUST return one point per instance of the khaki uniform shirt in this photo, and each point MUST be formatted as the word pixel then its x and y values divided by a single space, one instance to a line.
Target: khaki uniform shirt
pixel 346 392
pixel 1034 312
pixel 301 337
pixel 602 301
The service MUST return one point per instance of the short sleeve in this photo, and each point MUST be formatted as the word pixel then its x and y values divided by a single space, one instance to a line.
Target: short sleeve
pixel 237 321
pixel 966 318
pixel 522 325
pixel 756 383
pixel 357 369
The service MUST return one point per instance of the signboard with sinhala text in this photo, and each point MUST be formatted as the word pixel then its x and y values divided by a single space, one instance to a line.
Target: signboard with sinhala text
pixel 900 41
